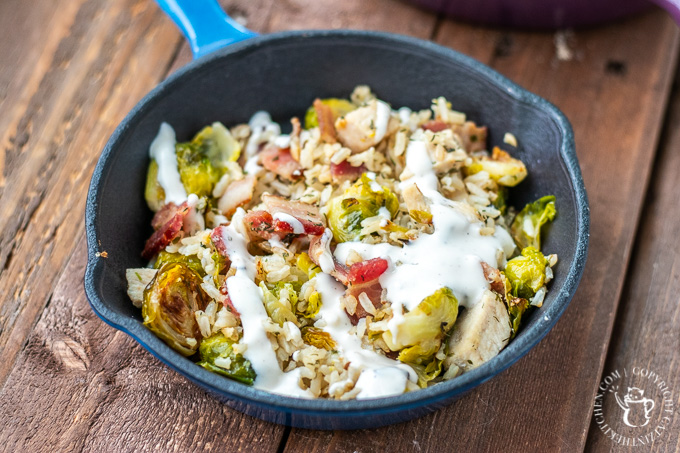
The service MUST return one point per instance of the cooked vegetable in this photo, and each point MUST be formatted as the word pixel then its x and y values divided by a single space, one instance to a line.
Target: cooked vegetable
pixel 319 338
pixel 218 356
pixel 217 144
pixel 502 168
pixel 424 364
pixel 153 192
pixel 191 261
pixel 526 228
pixel 313 306
pixel 305 264
pixel 339 107
pixel 516 308
pixel 361 201
pixel 424 328
pixel 279 311
pixel 170 301
pixel 526 273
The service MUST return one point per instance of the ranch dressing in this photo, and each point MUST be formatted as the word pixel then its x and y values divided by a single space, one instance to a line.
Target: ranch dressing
pixel 246 297
pixel 385 376
pixel 162 150
pixel 382 118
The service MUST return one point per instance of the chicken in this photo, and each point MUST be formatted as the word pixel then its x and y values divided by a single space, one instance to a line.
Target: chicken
pixel 479 334
pixel 366 126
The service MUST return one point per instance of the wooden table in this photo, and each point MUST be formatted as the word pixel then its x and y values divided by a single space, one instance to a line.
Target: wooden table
pixel 71 69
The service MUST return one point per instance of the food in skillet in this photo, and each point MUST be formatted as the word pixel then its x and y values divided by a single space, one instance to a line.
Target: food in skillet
pixel 367 253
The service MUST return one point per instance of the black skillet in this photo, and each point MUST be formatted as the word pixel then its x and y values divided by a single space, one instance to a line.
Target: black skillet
pixel 283 73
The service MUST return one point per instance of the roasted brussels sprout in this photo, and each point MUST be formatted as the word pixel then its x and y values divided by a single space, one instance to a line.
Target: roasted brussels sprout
pixel 280 312
pixel 319 338
pixel 312 308
pixel 526 273
pixel 426 367
pixel 361 201
pixel 218 356
pixel 217 144
pixel 153 192
pixel 306 265
pixel 339 107
pixel 516 308
pixel 170 301
pixel 526 228
pixel 502 168
pixel 192 261
pixel 423 329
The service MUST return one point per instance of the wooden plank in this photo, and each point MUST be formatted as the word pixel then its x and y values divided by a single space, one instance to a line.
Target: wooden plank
pixel 80 385
pixel 543 403
pixel 99 58
pixel 647 329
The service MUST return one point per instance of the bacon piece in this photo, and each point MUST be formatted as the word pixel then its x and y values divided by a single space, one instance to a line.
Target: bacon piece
pixel 164 214
pixel 366 271
pixel 167 231
pixel 227 301
pixel 435 125
pixel 346 171
pixel 317 248
pixel 374 292
pixel 307 214
pixel 325 117
pixel 473 137
pixel 238 193
pixel 217 238
pixel 493 276
pixel 260 224
pixel 281 162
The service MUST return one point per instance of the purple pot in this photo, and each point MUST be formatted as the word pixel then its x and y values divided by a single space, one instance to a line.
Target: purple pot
pixel 544 14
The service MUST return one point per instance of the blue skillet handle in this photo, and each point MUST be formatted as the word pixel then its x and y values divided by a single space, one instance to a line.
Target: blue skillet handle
pixel 205 24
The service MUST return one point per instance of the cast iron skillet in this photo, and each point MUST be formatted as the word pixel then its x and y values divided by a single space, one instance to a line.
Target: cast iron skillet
pixel 283 73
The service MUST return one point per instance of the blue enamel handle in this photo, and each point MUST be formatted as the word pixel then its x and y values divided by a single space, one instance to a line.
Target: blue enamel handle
pixel 205 24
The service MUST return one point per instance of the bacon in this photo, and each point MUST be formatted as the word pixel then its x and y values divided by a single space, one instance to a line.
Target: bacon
pixel 227 300
pixel 435 125
pixel 307 214
pixel 325 117
pixel 473 137
pixel 316 249
pixel 366 271
pixel 281 162
pixel 217 238
pixel 346 171
pixel 237 194
pixel 164 214
pixel 373 291
pixel 260 225
pixel 493 276
pixel 167 231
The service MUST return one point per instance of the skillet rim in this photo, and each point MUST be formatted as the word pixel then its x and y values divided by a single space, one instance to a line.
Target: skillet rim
pixel 428 397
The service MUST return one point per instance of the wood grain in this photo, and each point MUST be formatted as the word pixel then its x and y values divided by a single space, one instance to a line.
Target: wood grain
pixel 543 403
pixel 647 330
pixel 99 59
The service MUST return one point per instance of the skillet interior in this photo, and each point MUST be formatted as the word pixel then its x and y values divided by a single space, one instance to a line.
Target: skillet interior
pixel 282 74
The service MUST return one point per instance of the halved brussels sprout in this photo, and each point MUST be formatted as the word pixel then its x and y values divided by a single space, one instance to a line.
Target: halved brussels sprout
pixel 192 261
pixel 502 168
pixel 516 308
pixel 426 367
pixel 526 228
pixel 361 201
pixel 153 192
pixel 319 338
pixel 217 144
pixel 217 355
pixel 170 301
pixel 339 107
pixel 313 306
pixel 306 265
pixel 279 312
pixel 526 273
pixel 424 328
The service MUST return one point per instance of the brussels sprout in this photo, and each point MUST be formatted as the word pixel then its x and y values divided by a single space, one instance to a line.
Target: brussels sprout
pixel 170 301
pixel 339 107
pixel 426 367
pixel 218 145
pixel 424 327
pixel 313 306
pixel 306 265
pixel 502 168
pixel 280 312
pixel 526 273
pixel 516 308
pixel 197 173
pixel 319 338
pixel 501 202
pixel 218 356
pixel 361 201
pixel 153 192
pixel 526 228
pixel 192 261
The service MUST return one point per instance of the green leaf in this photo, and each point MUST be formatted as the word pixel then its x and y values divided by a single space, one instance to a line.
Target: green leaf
pixel 217 355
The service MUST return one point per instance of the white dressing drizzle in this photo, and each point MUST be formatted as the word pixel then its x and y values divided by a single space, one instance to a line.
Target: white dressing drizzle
pixel 337 324
pixel 262 129
pixel 162 150
pixel 404 115
pixel 298 228
pixel 382 118
pixel 247 299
